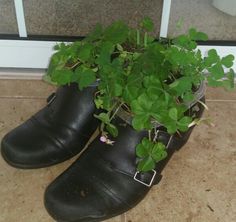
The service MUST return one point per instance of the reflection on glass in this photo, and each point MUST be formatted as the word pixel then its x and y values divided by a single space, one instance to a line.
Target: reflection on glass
pixel 209 16
pixel 78 17
pixel 8 24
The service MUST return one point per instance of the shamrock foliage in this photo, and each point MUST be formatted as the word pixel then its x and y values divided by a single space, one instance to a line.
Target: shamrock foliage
pixel 151 80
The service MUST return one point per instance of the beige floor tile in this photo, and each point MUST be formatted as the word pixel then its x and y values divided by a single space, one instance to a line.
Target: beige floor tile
pixel 14 111
pixel 25 88
pixel 220 94
pixel 199 182
pixel 21 191
pixel 115 219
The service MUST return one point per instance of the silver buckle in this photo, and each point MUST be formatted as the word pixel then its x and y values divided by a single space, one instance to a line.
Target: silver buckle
pixel 169 141
pixel 51 98
pixel 167 145
pixel 140 181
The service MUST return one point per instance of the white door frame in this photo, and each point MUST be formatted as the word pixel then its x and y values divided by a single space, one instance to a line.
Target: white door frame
pixel 20 18
pixel 36 54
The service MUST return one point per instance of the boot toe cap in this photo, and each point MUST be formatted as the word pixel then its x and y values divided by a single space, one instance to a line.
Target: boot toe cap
pixel 78 195
pixel 27 147
pixel 67 204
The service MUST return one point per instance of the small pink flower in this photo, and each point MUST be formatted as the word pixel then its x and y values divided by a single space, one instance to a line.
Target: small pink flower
pixel 103 139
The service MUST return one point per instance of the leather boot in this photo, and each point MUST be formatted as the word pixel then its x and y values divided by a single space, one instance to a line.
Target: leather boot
pixel 104 182
pixel 54 134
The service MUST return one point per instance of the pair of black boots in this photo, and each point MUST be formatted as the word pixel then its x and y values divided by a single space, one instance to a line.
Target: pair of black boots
pixel 104 181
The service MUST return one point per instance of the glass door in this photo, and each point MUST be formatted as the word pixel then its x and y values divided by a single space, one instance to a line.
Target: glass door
pixel 216 18
pixel 8 23
pixel 77 17
pixel 30 28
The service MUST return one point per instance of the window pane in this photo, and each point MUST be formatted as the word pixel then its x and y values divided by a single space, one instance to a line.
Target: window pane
pixel 78 17
pixel 217 18
pixel 8 24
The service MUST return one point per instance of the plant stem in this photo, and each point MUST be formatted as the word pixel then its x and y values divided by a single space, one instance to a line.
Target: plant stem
pixel 126 107
pixel 156 134
pixel 114 105
pixel 102 127
pixel 149 135
pixel 77 63
pixel 123 51
pixel 203 104
pixel 138 37
pixel 117 109
pixel 145 39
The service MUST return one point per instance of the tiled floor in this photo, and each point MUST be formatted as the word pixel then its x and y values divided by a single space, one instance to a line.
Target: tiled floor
pixel 198 184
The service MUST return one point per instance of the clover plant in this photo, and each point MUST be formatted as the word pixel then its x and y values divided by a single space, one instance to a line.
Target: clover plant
pixel 150 79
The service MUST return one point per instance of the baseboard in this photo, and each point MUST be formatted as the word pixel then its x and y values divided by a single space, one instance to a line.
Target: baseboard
pixel 20 73
pixel 30 58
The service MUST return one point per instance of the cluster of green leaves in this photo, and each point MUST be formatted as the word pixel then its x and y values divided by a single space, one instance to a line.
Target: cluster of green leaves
pixel 215 66
pixel 152 80
pixel 156 103
pixel 150 153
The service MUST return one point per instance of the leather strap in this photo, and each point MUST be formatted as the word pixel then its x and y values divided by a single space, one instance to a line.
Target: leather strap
pixel 51 98
pixel 172 143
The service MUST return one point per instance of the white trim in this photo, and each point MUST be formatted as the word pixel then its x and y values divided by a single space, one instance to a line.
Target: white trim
pixel 25 54
pixel 165 18
pixel 36 55
pixel 20 18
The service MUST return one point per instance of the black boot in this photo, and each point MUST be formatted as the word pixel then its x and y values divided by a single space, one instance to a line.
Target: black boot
pixel 104 181
pixel 54 134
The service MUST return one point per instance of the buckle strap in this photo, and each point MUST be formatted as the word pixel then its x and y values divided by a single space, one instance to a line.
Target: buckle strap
pixel 137 177
pixel 51 98
pixel 152 178
pixel 147 179
pixel 169 141
pixel 165 133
